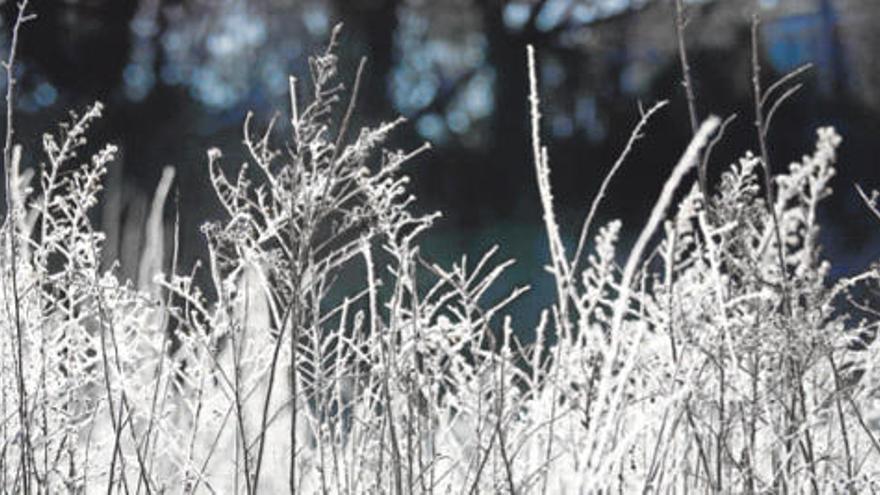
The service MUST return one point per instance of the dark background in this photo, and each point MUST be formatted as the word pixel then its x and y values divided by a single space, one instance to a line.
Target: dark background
pixel 178 76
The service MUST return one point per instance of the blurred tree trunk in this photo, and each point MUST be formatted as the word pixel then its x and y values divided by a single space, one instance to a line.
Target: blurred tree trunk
pixel 371 24
pixel 509 146
pixel 80 45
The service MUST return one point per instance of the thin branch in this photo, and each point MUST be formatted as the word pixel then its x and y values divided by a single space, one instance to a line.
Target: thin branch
pixel 765 155
pixel 343 128
pixel 687 161
pixel 776 104
pixel 9 65
pixel 681 22
pixel 634 136
pixel 715 140
pixel 687 81
pixel 784 79
pixel 869 203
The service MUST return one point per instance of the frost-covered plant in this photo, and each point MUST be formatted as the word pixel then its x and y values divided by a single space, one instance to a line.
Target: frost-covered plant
pixel 78 348
pixel 87 344
pixel 292 366
pixel 760 345
pixel 326 355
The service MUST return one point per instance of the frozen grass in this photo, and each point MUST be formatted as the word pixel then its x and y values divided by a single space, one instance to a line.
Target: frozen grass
pixel 715 359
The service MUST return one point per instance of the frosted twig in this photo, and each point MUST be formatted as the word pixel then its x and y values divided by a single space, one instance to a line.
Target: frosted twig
pixel 542 171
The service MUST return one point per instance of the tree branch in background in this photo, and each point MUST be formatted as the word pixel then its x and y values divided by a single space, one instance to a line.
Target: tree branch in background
pixel 570 23
pixel 536 12
pixel 445 95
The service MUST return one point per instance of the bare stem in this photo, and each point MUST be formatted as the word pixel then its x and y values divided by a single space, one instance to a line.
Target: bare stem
pixel 634 136
pixel 687 82
pixel 9 65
